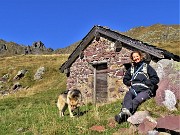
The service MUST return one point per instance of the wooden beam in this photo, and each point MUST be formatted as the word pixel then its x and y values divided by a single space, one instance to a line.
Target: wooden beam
pixel 139 45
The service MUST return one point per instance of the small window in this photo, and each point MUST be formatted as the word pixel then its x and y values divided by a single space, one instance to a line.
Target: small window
pixel 118 46
pixel 101 66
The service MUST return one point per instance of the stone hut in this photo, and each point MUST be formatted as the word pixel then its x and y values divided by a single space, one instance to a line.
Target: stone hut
pixel 97 65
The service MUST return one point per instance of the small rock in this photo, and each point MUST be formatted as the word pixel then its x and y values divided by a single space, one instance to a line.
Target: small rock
pixel 38 75
pixel 98 128
pixel 153 132
pixel 138 117
pixel 148 124
pixel 112 123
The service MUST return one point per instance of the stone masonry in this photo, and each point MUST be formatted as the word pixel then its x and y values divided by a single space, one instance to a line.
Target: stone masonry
pixel 82 72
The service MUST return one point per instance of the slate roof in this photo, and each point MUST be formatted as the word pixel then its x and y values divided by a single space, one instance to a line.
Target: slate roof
pixel 100 30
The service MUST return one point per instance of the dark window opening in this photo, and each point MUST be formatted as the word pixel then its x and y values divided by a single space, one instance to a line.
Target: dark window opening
pixel 102 66
pixel 118 46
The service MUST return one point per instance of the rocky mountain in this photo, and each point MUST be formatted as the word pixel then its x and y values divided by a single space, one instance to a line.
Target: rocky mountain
pixel 163 36
pixel 11 48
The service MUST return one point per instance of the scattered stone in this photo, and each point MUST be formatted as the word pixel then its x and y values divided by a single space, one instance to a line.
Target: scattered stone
pixel 138 117
pixel 39 73
pixel 148 124
pixel 22 129
pixel 4 92
pixel 153 132
pixel 98 128
pixel 20 74
pixel 16 86
pixel 112 123
pixel 1 86
pixel 3 47
pixel 5 78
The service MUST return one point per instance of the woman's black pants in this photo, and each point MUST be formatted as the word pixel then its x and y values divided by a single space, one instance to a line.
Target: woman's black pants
pixel 132 101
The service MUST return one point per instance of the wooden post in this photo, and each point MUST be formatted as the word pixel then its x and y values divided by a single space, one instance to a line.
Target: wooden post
pixel 94 91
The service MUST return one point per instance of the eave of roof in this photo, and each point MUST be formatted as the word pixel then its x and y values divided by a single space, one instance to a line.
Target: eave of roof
pixel 152 50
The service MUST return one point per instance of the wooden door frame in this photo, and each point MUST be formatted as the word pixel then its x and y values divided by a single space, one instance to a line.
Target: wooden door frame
pixel 94 89
pixel 94 65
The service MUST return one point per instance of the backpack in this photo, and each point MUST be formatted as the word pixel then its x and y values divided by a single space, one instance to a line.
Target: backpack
pixel 144 69
pixel 152 92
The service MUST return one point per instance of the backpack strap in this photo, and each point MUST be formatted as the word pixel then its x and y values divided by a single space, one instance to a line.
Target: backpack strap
pixel 132 70
pixel 144 69
pixel 134 74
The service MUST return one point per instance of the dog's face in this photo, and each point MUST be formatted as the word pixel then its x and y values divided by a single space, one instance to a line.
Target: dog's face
pixel 74 103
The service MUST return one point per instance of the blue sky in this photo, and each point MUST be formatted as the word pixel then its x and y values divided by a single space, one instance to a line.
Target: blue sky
pixel 59 23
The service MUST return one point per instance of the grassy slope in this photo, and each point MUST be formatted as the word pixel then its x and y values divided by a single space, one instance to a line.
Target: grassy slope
pixel 33 111
pixel 163 36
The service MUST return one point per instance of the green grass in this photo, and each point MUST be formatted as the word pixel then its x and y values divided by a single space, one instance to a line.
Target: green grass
pixel 33 111
pixel 38 114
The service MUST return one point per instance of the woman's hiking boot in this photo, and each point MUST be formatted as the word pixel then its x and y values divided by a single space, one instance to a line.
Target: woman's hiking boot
pixel 122 116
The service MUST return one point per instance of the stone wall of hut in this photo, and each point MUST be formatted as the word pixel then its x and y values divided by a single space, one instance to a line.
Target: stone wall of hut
pixel 82 72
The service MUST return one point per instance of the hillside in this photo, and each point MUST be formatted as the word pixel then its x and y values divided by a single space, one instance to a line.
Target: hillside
pixel 162 36
pixel 10 48
pixel 67 50
pixel 32 109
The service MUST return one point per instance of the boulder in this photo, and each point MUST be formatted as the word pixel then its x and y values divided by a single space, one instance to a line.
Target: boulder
pixel 138 117
pixel 16 86
pixel 20 74
pixel 169 123
pixel 148 124
pixel 38 75
pixel 169 73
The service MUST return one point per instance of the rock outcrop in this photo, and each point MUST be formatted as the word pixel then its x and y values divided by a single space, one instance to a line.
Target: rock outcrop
pixel 168 88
